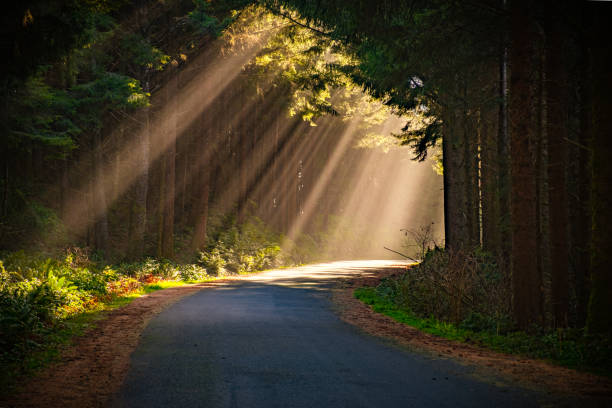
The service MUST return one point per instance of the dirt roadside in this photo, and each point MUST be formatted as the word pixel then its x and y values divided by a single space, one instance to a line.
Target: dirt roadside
pixel 94 367
pixel 529 373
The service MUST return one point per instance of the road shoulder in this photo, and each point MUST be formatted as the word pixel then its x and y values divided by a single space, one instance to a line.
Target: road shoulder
pixel 528 373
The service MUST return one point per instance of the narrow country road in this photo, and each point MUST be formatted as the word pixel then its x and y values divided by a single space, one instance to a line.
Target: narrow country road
pixel 273 340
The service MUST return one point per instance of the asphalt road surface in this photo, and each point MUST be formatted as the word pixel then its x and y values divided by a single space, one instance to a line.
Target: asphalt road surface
pixel 274 341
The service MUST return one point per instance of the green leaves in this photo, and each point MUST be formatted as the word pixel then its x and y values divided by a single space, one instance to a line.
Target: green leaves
pixel 41 114
pixel 249 247
pixel 135 49
pixel 203 20
pixel 109 91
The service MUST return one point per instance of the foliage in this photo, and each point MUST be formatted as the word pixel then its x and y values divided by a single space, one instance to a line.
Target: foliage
pixel 136 50
pixel 454 286
pixel 216 18
pixel 305 61
pixel 109 91
pixel 41 114
pixel 151 270
pixel 303 249
pixel 569 347
pixel 241 248
pixel 407 54
pixel 40 295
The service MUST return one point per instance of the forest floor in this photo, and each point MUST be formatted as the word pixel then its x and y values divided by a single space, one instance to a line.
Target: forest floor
pixel 93 368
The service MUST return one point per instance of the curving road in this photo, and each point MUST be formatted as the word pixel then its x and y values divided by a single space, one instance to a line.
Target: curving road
pixel 273 341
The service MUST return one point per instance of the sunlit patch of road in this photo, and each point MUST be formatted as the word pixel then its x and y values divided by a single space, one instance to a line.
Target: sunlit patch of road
pixel 321 275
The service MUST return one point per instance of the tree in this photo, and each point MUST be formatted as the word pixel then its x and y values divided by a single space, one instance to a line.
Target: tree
pixel 557 125
pixel 526 280
pixel 600 303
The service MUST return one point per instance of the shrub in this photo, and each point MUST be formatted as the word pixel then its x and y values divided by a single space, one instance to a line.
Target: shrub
pixel 240 249
pixel 458 286
pixel 213 261
pixel 267 257
pixel 28 307
pixel 191 272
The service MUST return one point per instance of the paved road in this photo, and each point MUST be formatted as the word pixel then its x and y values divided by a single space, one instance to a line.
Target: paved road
pixel 273 341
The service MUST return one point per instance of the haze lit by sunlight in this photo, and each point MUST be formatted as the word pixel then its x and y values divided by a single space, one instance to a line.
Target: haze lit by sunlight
pixel 193 99
pixel 377 191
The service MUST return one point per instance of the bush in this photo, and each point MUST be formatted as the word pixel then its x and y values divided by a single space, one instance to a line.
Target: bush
pixel 191 272
pixel 143 271
pixel 213 261
pixel 267 257
pixel 241 249
pixel 29 307
pixel 457 286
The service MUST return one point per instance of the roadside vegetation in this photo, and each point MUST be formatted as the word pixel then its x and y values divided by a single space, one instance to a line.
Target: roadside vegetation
pixel 46 300
pixel 462 296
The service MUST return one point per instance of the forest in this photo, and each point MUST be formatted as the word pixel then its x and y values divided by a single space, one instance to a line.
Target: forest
pixel 154 140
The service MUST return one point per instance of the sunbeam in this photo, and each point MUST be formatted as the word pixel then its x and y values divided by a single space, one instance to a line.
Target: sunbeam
pixel 163 129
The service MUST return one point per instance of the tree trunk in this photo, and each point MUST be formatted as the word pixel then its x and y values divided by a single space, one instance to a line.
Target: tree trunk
pixel 205 146
pixel 503 163
pixel 168 176
pixel 580 194
pixel 557 125
pixel 64 190
pixel 99 196
pixel 244 162
pixel 600 304
pixel 457 232
pixel 472 177
pixel 489 184
pixel 526 280
pixel 140 189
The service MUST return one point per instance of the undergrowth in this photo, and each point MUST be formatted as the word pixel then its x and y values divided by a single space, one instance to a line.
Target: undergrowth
pixel 44 302
pixel 248 247
pixel 491 329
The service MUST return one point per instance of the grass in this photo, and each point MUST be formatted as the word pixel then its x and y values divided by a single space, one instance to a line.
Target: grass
pixel 569 348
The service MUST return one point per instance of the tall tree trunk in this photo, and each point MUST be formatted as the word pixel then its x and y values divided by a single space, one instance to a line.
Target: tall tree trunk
pixel 541 166
pixel 244 162
pixel 274 202
pixel 64 190
pixel 557 124
pixel 99 196
pixel 141 188
pixel 580 197
pixel 183 147
pixel 166 248
pixel 526 280
pixel 457 229
pixel 503 163
pixel 472 177
pixel 205 147
pixel 490 178
pixel 600 303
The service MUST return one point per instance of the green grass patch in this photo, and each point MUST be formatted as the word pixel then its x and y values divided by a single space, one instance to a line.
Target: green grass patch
pixel 569 348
